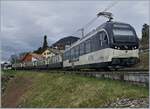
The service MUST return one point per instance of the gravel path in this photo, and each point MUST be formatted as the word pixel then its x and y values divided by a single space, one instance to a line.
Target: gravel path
pixel 133 103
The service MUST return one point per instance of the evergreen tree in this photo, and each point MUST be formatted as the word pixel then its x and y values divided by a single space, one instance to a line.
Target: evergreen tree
pixel 145 31
pixel 145 37
pixel 38 50
pixel 13 59
pixel 45 45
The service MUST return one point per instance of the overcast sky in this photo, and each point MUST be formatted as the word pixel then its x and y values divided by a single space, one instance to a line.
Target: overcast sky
pixel 24 23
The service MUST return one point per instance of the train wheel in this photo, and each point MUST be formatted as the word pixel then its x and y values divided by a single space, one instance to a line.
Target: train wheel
pixel 107 69
pixel 116 69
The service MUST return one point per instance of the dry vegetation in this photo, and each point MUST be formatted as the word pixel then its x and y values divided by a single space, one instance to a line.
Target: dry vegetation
pixel 144 61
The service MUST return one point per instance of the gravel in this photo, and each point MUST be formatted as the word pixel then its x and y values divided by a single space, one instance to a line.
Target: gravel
pixel 132 103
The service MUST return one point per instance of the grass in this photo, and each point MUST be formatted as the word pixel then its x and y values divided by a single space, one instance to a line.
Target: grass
pixel 55 89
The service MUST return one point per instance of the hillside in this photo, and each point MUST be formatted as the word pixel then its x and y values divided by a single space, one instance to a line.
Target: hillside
pixel 144 42
pixel 65 41
pixel 144 61
pixel 53 89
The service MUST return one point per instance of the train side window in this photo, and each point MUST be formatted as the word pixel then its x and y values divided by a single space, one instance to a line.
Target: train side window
pixel 64 56
pixel 74 52
pixel 81 48
pixel 101 38
pixel 77 51
pixel 57 58
pixel 95 42
pixel 67 55
pixel 87 46
pixel 92 44
pixel 83 45
pixel 71 56
pixel 105 39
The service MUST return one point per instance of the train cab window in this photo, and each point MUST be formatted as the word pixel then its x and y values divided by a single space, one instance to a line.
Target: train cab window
pixel 123 35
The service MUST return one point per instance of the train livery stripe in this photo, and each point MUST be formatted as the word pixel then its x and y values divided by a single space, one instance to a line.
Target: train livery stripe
pixel 104 55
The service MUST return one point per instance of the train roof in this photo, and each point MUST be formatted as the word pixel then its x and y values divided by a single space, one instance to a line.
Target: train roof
pixel 106 25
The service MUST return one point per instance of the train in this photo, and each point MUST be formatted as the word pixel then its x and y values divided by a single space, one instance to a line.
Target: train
pixel 111 45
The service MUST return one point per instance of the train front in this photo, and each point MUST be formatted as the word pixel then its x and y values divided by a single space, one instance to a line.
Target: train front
pixel 125 44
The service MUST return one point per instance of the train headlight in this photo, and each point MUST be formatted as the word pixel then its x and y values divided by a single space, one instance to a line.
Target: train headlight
pixel 116 47
pixel 135 47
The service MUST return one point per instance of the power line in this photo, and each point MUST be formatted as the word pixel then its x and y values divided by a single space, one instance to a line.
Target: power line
pixel 107 8
pixel 94 19
pixel 111 5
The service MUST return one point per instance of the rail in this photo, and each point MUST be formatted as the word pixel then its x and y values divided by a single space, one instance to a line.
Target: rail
pixel 135 77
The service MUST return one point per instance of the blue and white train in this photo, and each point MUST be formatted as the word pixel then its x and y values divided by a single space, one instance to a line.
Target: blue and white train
pixel 111 45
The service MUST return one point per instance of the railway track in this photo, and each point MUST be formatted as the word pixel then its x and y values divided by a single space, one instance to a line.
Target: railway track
pixel 135 77
pixel 139 77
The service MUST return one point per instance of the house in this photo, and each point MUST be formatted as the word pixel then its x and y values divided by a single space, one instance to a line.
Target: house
pixel 6 65
pixel 69 40
pixel 49 52
pixel 31 57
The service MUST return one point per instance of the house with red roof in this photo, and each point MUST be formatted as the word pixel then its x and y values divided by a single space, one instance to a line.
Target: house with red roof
pixel 31 57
